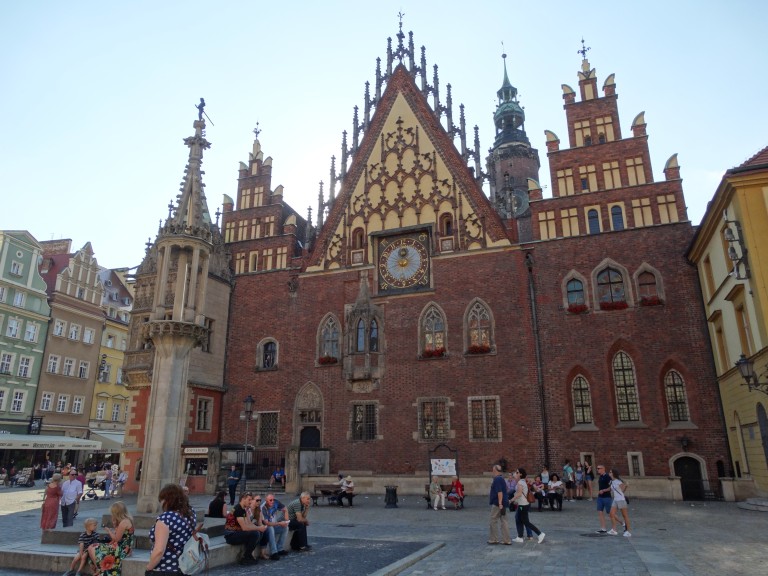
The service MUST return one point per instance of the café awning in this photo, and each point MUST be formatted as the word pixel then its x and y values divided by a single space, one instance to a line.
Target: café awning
pixel 36 442
pixel 110 441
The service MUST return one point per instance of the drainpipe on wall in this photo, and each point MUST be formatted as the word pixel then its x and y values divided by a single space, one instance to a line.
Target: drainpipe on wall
pixel 537 350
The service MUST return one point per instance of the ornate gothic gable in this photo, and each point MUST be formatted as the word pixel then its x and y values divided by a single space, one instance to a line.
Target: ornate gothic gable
pixel 406 173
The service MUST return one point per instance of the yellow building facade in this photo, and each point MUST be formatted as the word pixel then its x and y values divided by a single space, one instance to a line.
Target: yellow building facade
pixel 730 250
pixel 109 409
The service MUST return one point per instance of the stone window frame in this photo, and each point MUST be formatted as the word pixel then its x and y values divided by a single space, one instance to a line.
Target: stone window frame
pixel 77 404
pixel 470 428
pixel 470 311
pixel 646 268
pixel 431 310
pixel 262 363
pixel 676 395
pixel 582 400
pixel 627 407
pixel 616 210
pixel 364 437
pixel 569 277
pixel 610 263
pixel 204 413
pixel 322 340
pixel 422 423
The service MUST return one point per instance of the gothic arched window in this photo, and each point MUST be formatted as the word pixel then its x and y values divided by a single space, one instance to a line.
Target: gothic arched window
pixel 625 383
pixel 677 400
pixel 479 329
pixel 582 402
pixel 266 354
pixel 329 339
pixel 360 346
pixel 358 238
pixel 617 218
pixel 610 286
pixel 432 331
pixel 575 292
pixel 646 284
pixel 593 221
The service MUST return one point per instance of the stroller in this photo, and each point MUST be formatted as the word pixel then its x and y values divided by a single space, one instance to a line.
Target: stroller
pixel 96 483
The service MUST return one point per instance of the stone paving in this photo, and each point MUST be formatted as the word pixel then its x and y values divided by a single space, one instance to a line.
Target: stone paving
pixel 669 539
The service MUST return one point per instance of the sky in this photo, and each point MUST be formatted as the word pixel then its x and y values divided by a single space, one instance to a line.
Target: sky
pixel 97 97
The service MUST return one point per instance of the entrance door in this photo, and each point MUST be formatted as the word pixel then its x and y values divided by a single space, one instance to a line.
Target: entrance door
pixel 691 482
pixel 310 437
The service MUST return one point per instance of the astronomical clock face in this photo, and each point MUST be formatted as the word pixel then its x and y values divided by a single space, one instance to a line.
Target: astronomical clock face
pixel 404 263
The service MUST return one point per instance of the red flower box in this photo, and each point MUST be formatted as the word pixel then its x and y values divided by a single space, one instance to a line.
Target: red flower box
pixel 435 353
pixel 325 360
pixel 478 349
pixel 577 308
pixel 651 301
pixel 620 305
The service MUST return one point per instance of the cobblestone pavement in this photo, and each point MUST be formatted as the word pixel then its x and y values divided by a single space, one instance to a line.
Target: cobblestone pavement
pixel 669 539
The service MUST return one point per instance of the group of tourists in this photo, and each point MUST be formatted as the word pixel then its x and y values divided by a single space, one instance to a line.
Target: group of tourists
pixel 261 525
pixel 517 493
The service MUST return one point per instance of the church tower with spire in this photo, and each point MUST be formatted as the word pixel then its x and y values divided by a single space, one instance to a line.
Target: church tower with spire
pixel 175 360
pixel 513 164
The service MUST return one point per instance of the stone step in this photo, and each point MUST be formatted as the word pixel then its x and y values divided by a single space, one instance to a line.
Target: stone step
pixel 56 558
pixel 755 504
pixel 214 527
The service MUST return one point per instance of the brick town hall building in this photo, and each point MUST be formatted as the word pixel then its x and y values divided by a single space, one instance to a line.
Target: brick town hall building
pixel 417 311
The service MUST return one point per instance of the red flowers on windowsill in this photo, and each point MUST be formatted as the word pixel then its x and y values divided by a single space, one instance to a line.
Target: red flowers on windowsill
pixel 325 360
pixel 434 353
pixel 478 349
pixel 651 301
pixel 577 308
pixel 619 305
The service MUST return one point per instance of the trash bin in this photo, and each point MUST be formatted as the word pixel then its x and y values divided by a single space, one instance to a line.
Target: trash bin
pixel 390 499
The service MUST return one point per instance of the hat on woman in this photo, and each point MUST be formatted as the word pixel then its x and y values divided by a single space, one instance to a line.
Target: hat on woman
pixel 348 478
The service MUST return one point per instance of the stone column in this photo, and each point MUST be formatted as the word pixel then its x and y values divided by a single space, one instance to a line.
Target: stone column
pixel 167 413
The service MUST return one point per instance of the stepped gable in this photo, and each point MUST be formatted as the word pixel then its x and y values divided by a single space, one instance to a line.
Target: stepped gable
pixel 401 86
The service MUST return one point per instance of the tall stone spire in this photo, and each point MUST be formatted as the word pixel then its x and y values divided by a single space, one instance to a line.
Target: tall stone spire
pixel 176 323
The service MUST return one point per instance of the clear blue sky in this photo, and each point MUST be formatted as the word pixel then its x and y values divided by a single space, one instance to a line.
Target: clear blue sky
pixel 97 96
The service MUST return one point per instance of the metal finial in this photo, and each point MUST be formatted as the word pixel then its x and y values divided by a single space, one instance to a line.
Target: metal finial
pixel 170 208
pixel 257 130
pixel 584 50
pixel 217 216
pixel 400 16
pixel 503 52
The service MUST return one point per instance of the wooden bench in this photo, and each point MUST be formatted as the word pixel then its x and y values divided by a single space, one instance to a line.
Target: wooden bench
pixel 444 487
pixel 326 491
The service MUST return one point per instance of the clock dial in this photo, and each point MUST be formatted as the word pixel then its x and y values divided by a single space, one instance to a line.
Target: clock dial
pixel 519 202
pixel 403 263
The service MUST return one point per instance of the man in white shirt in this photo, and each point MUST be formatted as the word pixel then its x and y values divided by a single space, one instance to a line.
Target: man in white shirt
pixel 71 492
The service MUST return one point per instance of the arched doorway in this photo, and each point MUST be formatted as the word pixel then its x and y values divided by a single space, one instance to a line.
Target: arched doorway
pixel 691 479
pixel 309 437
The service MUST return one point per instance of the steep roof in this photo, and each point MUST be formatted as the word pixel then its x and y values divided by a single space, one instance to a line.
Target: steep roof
pixel 404 110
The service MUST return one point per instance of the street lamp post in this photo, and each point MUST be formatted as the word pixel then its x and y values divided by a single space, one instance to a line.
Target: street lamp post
pixel 746 368
pixel 248 402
